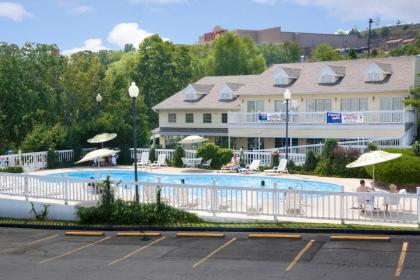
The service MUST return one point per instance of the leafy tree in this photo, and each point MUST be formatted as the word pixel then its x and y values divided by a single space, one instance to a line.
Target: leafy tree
pixel 385 31
pixel 129 48
pixel 232 55
pixel 282 53
pixel 324 52
pixel 355 31
pixel 414 100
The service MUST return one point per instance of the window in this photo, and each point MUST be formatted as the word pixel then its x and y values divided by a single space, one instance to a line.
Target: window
pixel 392 103
pixel 189 117
pixel 328 79
pixel 318 105
pixel 172 118
pixel 254 106
pixel 280 106
pixel 374 77
pixel 281 142
pixel 354 104
pixel 224 117
pixel 206 118
pixel 221 141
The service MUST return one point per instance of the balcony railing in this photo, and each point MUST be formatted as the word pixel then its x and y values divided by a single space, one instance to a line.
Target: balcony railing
pixel 366 117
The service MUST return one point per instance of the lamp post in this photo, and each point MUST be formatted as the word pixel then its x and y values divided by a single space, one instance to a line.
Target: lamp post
pixel 134 93
pixel 287 96
pixel 98 100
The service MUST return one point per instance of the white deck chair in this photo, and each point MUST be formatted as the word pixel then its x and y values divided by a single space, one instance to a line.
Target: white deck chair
pixel 144 159
pixel 253 167
pixel 161 161
pixel 282 168
pixel 366 201
pixel 181 196
pixel 293 203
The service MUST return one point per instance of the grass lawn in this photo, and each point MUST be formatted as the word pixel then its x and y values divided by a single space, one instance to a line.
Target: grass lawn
pixel 209 225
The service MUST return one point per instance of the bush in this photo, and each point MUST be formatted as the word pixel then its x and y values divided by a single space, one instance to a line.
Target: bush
pixel 51 158
pixel 217 155
pixel 124 156
pixel 416 148
pixel 12 169
pixel 179 154
pixel 131 213
pixel 371 147
pixel 404 170
pixel 310 161
pixel 152 155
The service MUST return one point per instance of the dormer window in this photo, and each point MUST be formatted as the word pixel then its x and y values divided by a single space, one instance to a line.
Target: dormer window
pixel 331 74
pixel 195 91
pixel 377 72
pixel 226 93
pixel 285 76
pixel 190 93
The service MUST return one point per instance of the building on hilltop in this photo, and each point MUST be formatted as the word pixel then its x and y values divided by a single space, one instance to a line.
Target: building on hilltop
pixel 345 100
pixel 307 41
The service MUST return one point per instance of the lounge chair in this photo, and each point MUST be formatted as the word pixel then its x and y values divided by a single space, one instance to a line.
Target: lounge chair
pixel 233 165
pixel 161 161
pixel 282 168
pixel 253 167
pixel 206 164
pixel 293 203
pixel 365 200
pixel 144 159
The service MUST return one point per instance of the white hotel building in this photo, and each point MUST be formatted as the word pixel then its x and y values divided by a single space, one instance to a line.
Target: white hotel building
pixel 348 99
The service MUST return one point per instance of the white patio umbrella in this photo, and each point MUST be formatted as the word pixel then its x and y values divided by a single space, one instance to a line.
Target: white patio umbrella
pixel 101 153
pixel 193 139
pixel 101 138
pixel 372 158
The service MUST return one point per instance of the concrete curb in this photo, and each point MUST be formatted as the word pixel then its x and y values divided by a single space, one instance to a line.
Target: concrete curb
pixel 218 229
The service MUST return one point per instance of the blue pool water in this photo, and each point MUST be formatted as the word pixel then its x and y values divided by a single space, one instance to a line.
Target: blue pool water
pixel 206 179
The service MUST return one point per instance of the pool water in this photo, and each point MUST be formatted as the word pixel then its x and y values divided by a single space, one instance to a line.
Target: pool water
pixel 206 179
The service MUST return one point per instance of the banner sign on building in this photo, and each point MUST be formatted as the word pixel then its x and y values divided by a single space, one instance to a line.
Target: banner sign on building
pixel 344 117
pixel 352 118
pixel 270 117
pixel 334 117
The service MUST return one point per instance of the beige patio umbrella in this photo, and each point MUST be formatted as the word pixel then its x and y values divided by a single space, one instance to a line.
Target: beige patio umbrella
pixel 193 139
pixel 101 153
pixel 372 158
pixel 101 138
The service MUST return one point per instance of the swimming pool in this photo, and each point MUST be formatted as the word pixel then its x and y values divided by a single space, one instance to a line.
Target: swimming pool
pixel 206 179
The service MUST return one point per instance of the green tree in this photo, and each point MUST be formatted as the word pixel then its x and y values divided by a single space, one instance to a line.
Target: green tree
pixel 352 54
pixel 414 99
pixel 232 55
pixel 324 52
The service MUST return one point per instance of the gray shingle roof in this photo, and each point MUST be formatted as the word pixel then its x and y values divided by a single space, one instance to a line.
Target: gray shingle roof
pixel 202 88
pixel 211 99
pixel 292 72
pixel 402 78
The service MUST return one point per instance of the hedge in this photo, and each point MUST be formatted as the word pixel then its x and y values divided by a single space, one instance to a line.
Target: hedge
pixel 217 155
pixel 404 170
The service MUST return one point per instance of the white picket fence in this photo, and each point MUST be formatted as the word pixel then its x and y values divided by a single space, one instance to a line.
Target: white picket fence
pixel 168 152
pixel 251 201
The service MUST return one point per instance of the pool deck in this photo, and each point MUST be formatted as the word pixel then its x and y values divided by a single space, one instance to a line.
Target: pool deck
pixel 349 184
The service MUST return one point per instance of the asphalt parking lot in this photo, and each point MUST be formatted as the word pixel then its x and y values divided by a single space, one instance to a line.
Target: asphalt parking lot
pixel 43 254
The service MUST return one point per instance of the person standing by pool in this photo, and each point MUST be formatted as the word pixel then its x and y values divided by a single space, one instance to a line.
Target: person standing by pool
pixel 364 200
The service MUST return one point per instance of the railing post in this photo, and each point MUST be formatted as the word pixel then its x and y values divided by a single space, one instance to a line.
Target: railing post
pixel 275 202
pixel 25 185
pixel 418 206
pixel 214 202
pixel 342 205
pixel 66 188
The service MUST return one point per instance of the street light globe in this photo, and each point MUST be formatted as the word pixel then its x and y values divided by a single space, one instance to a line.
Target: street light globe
pixel 287 94
pixel 99 98
pixel 133 90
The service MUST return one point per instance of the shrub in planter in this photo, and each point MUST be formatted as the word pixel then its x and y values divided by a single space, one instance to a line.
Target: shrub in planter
pixel 416 148
pixel 371 147
pixel 178 155
pixel 403 170
pixel 310 161
pixel 275 158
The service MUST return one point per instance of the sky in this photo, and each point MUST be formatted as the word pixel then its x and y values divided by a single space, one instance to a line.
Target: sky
pixel 76 25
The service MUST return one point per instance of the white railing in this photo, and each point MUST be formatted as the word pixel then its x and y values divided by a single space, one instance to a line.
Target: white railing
pixel 248 200
pixel 364 117
pixel 168 152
